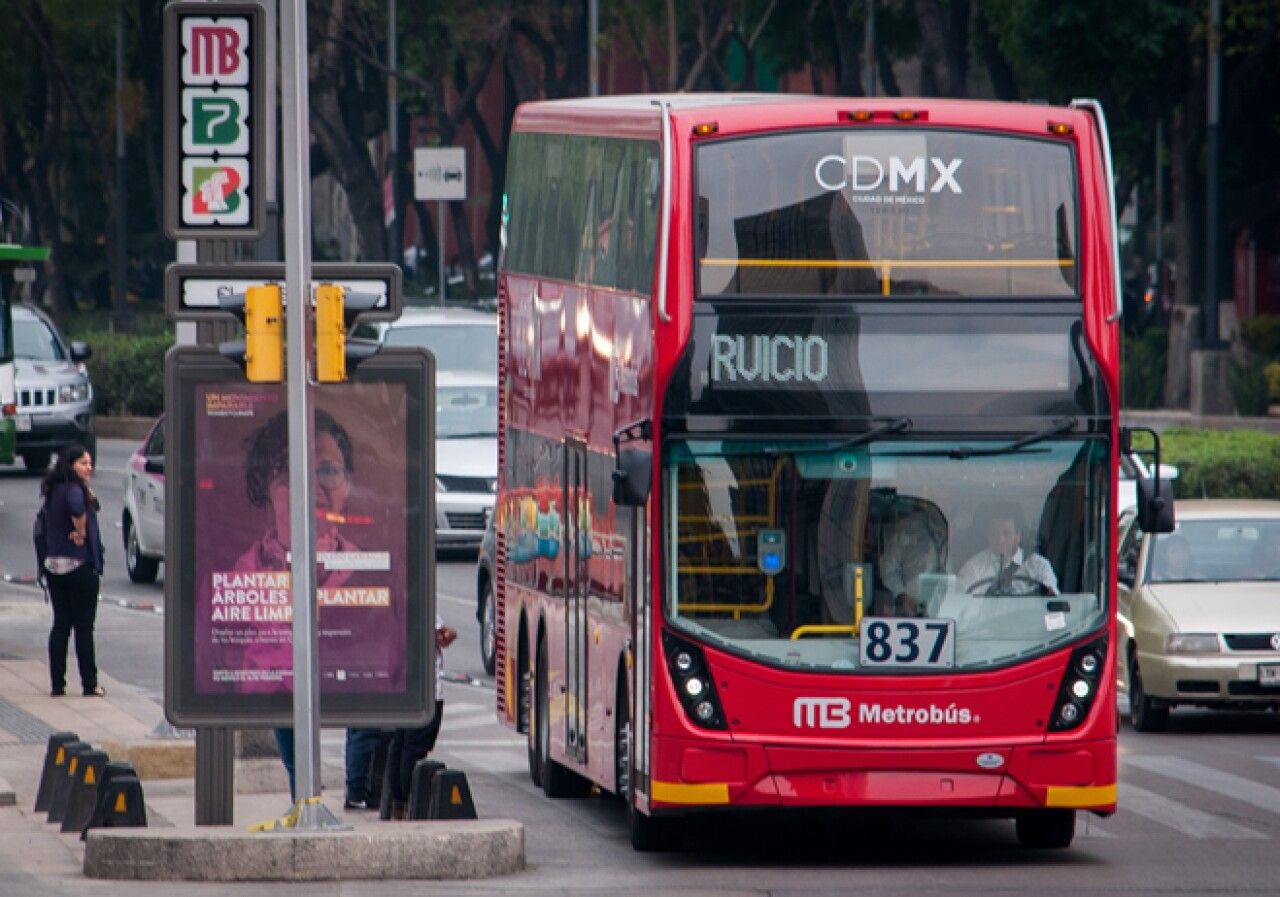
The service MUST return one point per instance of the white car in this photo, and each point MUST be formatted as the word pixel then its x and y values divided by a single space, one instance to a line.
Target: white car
pixel 54 395
pixel 142 521
pixel 465 344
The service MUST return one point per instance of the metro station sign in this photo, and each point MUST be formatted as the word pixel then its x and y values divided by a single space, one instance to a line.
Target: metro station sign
pixel 214 104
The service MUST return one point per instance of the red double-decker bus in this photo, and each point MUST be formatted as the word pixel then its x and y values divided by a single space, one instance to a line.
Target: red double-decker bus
pixel 807 458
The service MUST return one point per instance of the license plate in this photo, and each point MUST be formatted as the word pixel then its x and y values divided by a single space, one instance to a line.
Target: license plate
pixel 24 423
pixel 1269 674
pixel 907 642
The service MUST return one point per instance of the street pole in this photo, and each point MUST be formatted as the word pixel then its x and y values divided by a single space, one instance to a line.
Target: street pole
pixel 1210 328
pixel 869 50
pixel 593 54
pixel 393 138
pixel 119 270
pixel 302 535
pixel 1158 280
pixel 440 245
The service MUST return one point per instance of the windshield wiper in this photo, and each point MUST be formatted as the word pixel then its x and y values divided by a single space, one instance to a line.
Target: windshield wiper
pixel 478 434
pixel 897 425
pixel 1057 428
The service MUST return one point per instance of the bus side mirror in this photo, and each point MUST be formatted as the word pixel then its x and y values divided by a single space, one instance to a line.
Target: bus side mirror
pixel 632 473
pixel 1155 505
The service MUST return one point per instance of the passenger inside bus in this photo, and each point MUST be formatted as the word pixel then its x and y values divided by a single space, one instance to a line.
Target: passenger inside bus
pixel 914 550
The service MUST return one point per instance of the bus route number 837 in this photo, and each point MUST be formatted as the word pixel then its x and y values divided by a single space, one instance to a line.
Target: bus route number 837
pixel 907 642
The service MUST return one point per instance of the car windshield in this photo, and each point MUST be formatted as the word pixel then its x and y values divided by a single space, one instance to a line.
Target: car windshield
pixel 781 548
pixel 33 339
pixel 466 411
pixel 457 347
pixel 1221 550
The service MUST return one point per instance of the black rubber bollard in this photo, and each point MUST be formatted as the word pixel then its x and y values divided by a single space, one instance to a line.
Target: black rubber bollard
pixel 420 787
pixel 120 805
pixel 54 758
pixel 450 796
pixel 114 769
pixel 62 784
pixel 83 796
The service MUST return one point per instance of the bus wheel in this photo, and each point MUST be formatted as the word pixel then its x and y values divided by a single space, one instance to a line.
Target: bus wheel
pixel 648 834
pixel 1144 714
pixel 526 710
pixel 1046 829
pixel 557 780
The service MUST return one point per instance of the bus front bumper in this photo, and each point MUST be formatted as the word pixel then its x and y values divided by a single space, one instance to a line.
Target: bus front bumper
pixel 1079 775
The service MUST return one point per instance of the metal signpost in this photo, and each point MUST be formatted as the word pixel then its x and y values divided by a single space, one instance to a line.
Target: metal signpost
pixel 231 410
pixel 440 173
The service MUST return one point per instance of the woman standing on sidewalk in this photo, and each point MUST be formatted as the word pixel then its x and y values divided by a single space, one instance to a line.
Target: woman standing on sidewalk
pixel 74 565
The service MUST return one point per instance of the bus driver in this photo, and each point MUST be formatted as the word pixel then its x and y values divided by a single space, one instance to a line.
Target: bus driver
pixel 1003 568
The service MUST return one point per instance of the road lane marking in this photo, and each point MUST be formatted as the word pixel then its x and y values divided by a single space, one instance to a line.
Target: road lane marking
pixel 1264 797
pixel 1189 821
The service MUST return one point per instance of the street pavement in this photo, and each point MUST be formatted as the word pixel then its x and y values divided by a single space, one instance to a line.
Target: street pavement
pixel 35 856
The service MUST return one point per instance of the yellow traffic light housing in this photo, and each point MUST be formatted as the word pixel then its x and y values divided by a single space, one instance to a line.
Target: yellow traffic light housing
pixel 331 334
pixel 263 334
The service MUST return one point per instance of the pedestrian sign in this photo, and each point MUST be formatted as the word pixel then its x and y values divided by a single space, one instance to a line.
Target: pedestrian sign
pixel 215 122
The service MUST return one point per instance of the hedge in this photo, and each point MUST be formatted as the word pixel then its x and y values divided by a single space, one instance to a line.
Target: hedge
pixel 1223 463
pixel 127 372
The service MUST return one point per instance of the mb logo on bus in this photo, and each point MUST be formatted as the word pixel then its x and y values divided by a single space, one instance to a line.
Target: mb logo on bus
pixel 822 713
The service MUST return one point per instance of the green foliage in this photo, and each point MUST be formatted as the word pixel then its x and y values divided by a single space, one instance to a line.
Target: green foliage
pixel 1249 387
pixel 127 372
pixel 1223 463
pixel 1262 334
pixel 1142 368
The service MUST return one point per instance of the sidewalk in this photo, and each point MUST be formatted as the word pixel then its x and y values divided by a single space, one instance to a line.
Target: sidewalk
pixel 131 726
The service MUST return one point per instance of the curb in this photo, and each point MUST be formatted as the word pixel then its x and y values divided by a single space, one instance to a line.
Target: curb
pixel 397 850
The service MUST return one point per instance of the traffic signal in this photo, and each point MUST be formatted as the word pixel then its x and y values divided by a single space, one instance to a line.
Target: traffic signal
pixel 336 312
pixel 262 350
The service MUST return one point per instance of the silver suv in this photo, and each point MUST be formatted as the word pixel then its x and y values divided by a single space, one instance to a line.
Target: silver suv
pixel 55 397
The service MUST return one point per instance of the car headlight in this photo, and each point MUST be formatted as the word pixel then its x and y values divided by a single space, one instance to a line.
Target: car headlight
pixel 1192 643
pixel 73 392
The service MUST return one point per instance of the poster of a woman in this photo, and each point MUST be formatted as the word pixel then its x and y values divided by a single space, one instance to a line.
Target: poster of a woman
pixel 243 616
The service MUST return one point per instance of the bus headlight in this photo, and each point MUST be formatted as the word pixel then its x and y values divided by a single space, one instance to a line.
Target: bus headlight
pixel 688 668
pixel 1080 683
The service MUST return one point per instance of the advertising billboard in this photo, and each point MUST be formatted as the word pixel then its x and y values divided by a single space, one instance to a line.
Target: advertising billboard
pixel 228 591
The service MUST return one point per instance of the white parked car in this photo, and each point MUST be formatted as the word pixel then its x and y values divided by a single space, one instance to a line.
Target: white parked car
pixel 142 521
pixel 465 344
pixel 54 395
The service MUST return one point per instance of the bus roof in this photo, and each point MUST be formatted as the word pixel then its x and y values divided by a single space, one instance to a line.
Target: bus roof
pixel 638 115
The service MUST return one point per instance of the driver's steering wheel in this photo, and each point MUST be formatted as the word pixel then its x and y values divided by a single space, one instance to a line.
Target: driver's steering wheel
pixel 983 586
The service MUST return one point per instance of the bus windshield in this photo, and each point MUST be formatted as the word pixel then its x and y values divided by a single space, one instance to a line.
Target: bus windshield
pixel 782 548
pixel 888 212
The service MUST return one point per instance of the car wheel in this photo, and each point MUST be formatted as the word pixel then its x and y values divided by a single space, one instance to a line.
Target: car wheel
pixel 1046 829
pixel 37 461
pixel 1145 714
pixel 141 568
pixel 488 629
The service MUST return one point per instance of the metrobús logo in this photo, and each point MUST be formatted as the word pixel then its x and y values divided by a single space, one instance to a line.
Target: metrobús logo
pixel 836 713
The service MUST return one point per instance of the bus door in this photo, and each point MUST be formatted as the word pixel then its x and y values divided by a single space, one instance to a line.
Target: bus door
pixel 638 613
pixel 577 537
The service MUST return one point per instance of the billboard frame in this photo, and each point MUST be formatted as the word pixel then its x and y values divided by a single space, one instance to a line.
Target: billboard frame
pixel 188 367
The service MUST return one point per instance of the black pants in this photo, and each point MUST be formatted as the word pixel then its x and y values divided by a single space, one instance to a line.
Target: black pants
pixel 74 597
pixel 408 746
